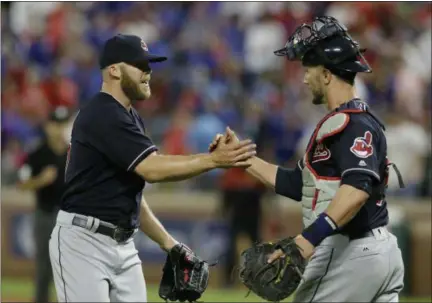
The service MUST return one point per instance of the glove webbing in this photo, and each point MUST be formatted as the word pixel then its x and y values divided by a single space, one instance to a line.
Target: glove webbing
pixel 280 272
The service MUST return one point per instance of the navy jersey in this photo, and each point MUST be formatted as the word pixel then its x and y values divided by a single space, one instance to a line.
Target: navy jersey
pixel 108 142
pixel 357 152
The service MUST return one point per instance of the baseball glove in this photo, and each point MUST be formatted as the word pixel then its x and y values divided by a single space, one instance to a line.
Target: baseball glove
pixel 275 281
pixel 185 276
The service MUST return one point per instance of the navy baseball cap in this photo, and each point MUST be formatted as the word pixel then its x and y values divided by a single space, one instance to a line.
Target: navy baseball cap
pixel 129 49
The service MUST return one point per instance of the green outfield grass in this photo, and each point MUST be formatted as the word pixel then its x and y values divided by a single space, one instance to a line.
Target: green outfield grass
pixel 14 290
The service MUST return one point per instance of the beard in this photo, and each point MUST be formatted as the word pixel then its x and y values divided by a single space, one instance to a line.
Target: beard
pixel 318 98
pixel 132 89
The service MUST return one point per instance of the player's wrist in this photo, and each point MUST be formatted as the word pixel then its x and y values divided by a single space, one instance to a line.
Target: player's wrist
pixel 253 161
pixel 168 244
pixel 320 229
pixel 210 161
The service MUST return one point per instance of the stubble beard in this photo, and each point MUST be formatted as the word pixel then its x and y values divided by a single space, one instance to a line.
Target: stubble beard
pixel 132 89
pixel 318 98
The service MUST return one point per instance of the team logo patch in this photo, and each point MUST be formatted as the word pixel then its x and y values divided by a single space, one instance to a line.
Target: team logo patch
pixel 362 146
pixel 321 153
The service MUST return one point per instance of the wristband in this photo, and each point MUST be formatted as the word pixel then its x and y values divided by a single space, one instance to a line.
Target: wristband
pixel 320 229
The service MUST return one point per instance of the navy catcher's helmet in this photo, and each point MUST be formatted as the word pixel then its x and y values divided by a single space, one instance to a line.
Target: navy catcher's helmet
pixel 325 42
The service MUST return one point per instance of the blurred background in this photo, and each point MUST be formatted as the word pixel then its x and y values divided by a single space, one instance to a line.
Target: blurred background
pixel 221 72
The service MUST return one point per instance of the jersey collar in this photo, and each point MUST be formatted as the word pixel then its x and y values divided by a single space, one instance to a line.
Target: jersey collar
pixel 355 103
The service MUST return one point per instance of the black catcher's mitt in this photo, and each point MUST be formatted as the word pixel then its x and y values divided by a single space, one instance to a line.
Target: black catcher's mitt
pixel 185 276
pixel 275 281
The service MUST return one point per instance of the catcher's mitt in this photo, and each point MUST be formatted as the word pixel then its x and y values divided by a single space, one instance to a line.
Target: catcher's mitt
pixel 275 281
pixel 185 276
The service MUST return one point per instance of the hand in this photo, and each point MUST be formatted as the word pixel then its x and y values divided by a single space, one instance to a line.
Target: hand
pixel 306 248
pixel 215 142
pixel 278 253
pixel 229 137
pixel 228 151
pixel 233 154
pixel 48 175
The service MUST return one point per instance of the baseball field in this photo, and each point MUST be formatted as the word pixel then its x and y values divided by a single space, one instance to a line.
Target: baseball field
pixel 14 290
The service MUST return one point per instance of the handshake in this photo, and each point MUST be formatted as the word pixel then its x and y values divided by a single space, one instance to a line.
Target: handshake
pixel 228 151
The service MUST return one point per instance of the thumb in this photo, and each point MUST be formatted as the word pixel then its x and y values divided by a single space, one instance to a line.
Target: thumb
pixel 230 134
pixel 229 131
pixel 277 254
pixel 271 258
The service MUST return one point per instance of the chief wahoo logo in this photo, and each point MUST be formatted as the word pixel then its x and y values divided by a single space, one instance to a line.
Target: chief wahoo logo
pixel 362 146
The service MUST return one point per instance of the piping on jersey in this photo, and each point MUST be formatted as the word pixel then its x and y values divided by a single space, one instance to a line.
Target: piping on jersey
pixel 313 138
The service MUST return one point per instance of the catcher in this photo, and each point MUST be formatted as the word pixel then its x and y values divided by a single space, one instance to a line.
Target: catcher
pixel 341 183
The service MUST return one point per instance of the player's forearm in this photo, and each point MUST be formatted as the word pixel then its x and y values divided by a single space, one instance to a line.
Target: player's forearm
pixel 346 203
pixel 31 184
pixel 165 168
pixel 284 181
pixel 154 229
pixel 344 206
pixel 263 171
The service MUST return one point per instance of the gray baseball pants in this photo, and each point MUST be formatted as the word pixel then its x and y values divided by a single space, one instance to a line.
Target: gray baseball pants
pixel 91 267
pixel 364 270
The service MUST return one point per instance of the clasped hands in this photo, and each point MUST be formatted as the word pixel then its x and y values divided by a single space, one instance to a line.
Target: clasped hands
pixel 229 138
pixel 227 150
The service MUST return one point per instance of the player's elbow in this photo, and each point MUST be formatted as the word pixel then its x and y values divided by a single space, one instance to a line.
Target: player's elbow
pixel 362 198
pixel 150 176
pixel 147 169
pixel 356 196
pixel 152 169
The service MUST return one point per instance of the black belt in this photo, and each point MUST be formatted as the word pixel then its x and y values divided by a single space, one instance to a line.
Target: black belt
pixel 361 235
pixel 119 234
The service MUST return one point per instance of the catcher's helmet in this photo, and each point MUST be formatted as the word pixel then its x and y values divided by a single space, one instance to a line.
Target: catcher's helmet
pixel 325 42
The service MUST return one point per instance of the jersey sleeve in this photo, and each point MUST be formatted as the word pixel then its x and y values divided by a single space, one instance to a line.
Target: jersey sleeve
pixel 289 182
pixel 121 140
pixel 356 150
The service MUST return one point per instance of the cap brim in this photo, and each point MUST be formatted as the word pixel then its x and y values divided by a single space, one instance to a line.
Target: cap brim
pixel 155 58
pixel 145 59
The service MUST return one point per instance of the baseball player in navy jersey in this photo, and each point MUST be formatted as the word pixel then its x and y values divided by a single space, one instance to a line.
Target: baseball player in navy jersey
pixel 110 158
pixel 340 181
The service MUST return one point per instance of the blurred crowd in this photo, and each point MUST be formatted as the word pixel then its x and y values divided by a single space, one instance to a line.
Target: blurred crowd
pixel 221 71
